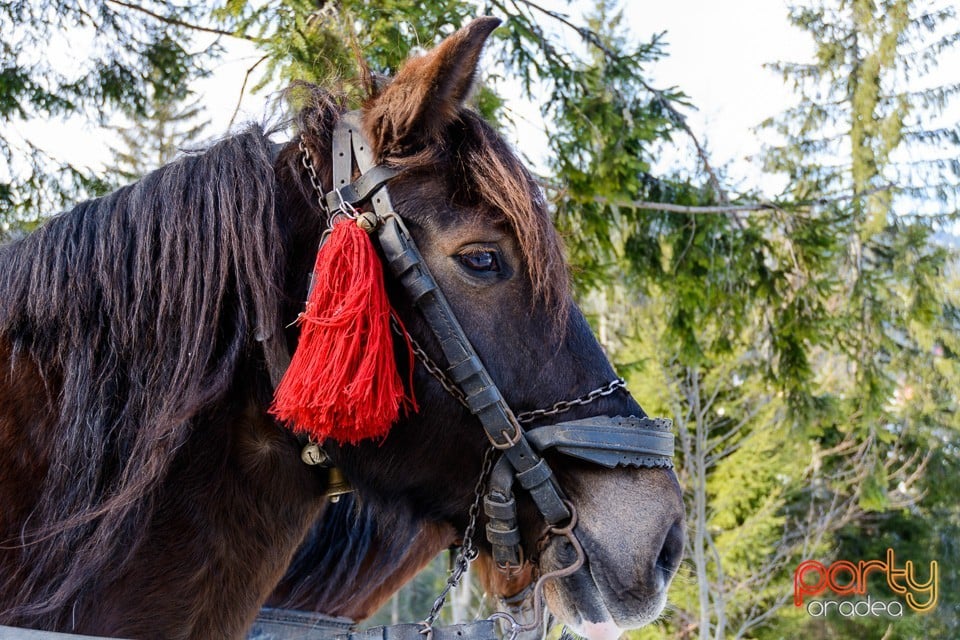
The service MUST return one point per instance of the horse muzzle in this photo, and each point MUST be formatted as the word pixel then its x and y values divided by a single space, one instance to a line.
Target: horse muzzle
pixel 606 441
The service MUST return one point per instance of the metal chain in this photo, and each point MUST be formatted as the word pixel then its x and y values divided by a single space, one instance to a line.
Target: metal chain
pixel 523 417
pixel 432 367
pixel 566 405
pixel 468 552
pixel 345 209
pixel 307 161
pixel 537 596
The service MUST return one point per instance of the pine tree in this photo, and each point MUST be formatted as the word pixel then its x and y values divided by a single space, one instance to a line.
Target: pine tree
pixel 124 53
pixel 871 140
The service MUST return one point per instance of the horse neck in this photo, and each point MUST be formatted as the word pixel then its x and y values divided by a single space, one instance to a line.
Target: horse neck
pixel 355 558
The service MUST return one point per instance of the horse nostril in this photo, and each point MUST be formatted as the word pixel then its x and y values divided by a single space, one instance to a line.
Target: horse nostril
pixel 670 553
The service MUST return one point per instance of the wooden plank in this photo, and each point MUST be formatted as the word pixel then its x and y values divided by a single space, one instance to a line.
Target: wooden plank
pixel 12 633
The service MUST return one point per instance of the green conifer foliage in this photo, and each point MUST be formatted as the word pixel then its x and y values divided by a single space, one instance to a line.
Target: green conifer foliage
pixel 155 139
pixel 120 55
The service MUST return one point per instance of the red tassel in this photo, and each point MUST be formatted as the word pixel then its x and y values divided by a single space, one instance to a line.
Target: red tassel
pixel 343 381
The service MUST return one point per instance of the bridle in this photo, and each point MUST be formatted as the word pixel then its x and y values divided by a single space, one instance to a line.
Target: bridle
pixel 607 441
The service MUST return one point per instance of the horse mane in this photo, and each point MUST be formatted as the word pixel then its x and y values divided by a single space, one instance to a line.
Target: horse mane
pixel 136 309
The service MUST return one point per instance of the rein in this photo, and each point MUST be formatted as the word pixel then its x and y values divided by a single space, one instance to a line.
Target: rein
pixel 607 441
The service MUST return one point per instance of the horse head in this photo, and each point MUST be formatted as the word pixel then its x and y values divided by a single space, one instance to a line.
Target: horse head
pixel 485 239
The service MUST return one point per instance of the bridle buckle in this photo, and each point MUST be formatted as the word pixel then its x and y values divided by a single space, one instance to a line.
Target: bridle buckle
pixel 510 441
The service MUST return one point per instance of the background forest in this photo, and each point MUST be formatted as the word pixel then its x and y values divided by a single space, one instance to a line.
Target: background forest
pixel 806 343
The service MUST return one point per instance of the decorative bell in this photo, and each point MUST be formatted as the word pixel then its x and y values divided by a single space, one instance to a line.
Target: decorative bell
pixel 338 485
pixel 313 455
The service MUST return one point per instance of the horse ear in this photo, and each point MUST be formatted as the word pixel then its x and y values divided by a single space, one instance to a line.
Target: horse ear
pixel 427 92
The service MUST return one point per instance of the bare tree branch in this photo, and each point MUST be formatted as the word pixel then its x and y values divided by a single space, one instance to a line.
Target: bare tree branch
pixel 717 209
pixel 185 25
pixel 243 87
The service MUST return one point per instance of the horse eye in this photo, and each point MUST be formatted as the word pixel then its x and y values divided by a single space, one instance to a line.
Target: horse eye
pixel 484 260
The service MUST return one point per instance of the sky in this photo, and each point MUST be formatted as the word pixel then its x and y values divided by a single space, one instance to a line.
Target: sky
pixel 717 52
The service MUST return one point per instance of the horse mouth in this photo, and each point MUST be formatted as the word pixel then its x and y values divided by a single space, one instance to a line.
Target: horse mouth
pixel 589 603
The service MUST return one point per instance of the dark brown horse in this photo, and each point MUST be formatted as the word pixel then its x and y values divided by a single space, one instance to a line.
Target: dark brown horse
pixel 145 491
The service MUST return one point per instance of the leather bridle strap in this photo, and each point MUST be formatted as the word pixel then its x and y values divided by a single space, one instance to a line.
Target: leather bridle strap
pixel 349 145
pixel 642 442
pixel 482 395
pixel 404 261
pixel 610 442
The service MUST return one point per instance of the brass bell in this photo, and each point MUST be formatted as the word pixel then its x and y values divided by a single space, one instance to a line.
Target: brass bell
pixel 338 485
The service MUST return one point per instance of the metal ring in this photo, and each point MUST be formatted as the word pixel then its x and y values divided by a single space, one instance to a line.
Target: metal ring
pixel 508 568
pixel 345 208
pixel 427 630
pixel 515 627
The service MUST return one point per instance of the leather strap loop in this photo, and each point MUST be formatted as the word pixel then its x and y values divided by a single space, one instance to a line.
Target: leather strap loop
pixel 502 537
pixel 417 288
pixel 497 510
pixel 470 366
pixel 403 262
pixel 484 398
pixel 535 475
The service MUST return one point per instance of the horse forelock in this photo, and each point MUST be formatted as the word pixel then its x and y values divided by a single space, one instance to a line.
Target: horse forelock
pixel 506 186
pixel 138 308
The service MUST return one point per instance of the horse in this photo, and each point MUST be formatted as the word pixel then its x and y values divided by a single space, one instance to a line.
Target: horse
pixel 147 488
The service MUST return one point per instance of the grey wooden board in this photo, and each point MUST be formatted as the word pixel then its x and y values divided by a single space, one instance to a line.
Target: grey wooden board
pixel 272 624
pixel 286 624
pixel 12 633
